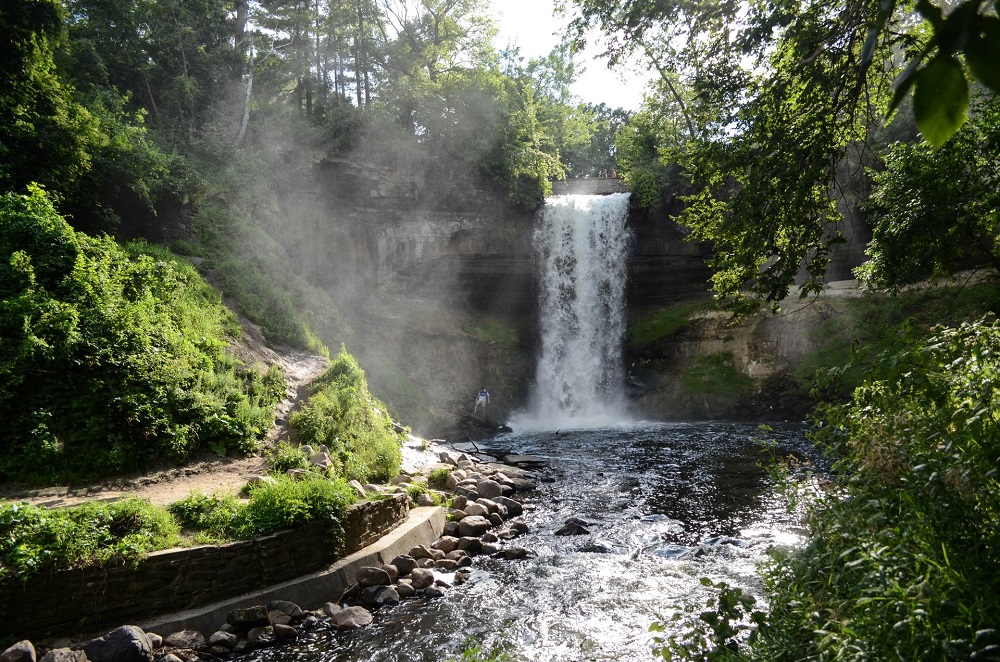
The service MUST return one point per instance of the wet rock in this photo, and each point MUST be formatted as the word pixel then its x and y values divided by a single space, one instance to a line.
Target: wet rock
pixel 285 633
pixel 433 592
pixel 185 639
pixel 457 555
pixel 219 650
pixel 446 565
pixel 512 553
pixel 489 536
pixel 514 508
pixel 405 563
pixel 405 590
pixel 248 618
pixel 422 552
pixel 451 528
pixel 155 640
pixel 353 618
pixel 22 651
pixel 598 547
pixel 290 608
pixel 523 484
pixel 331 609
pixel 474 526
pixel 445 544
pixel 495 520
pixel 470 544
pixel 392 571
pixel 125 644
pixel 372 576
pixel 489 489
pixel 64 655
pixel 489 548
pixel 462 577
pixel 376 597
pixel 490 505
pixel 421 578
pixel 310 622
pixel 260 637
pixel 571 529
pixel 279 617
pixel 225 639
pixel 425 563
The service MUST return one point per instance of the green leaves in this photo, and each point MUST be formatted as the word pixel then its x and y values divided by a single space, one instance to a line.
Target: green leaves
pixel 940 99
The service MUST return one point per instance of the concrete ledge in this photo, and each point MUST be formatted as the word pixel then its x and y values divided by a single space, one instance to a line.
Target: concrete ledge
pixel 422 526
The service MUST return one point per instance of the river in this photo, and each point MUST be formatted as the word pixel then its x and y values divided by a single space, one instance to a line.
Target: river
pixel 666 504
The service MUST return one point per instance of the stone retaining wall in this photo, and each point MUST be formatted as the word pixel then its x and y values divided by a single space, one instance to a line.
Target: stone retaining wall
pixel 69 602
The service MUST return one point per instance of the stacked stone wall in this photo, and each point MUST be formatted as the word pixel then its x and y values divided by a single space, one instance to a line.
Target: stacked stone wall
pixel 80 600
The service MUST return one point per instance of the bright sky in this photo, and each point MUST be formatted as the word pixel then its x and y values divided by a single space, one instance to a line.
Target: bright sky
pixel 530 25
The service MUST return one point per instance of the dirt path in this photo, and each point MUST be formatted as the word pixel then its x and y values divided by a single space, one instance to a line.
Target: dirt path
pixel 208 473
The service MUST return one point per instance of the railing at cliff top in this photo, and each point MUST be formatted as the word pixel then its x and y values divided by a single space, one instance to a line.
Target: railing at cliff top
pixel 590 186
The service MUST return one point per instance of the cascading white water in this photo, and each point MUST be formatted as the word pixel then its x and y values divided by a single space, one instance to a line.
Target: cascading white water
pixel 583 243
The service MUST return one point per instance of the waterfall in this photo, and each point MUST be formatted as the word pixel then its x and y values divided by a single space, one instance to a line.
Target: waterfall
pixel 583 244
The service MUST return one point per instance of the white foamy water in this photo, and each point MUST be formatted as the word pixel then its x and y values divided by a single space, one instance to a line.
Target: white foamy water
pixel 583 244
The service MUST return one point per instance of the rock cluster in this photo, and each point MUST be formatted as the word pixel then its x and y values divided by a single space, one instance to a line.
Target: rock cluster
pixel 481 522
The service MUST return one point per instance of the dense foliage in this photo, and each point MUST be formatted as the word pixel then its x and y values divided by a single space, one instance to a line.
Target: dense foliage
pixel 113 357
pixel 902 560
pixel 34 540
pixel 343 416
pixel 281 502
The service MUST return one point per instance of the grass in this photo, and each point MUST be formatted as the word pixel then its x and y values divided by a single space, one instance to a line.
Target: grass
pixel 715 374
pixel 491 332
pixel 662 324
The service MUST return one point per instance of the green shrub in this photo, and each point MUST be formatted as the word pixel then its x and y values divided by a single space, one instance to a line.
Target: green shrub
pixel 287 456
pixel 213 515
pixel 903 555
pixel 342 415
pixel 437 477
pixel 287 503
pixel 34 540
pixel 111 357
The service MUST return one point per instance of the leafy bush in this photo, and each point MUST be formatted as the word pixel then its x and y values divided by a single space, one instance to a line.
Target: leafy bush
pixel 34 539
pixel 287 503
pixel 112 357
pixel 287 456
pixel 341 414
pixel 903 557
pixel 211 514
pixel 437 477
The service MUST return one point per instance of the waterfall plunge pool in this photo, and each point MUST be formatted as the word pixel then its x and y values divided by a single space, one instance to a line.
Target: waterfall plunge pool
pixel 666 504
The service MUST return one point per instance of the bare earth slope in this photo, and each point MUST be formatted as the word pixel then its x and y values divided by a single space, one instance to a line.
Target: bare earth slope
pixel 209 473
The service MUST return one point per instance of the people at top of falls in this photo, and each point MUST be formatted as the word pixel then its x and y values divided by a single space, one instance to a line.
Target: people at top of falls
pixel 614 174
pixel 482 399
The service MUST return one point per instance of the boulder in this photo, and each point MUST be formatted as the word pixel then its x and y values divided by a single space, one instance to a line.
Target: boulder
pixel 474 526
pixel 372 576
pixel 22 651
pixel 225 639
pixel 248 618
pixel 405 564
pixel 451 528
pixel 64 655
pixel 421 552
pixel 392 571
pixel 125 644
pixel 458 502
pixel 512 553
pixel 514 508
pixel 279 617
pixel 185 639
pixel 495 519
pixel 405 590
pixel 451 481
pixel 489 489
pixel 433 592
pixel 446 565
pixel 353 618
pixel 321 460
pixel 476 510
pixel 425 499
pixel 359 488
pixel 331 609
pixel 285 633
pixel 290 608
pixel 470 544
pixel 421 578
pixel 262 636
pixel 445 544
pixel 572 529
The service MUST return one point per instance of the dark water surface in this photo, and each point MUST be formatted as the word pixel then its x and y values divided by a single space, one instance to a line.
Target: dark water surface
pixel 667 503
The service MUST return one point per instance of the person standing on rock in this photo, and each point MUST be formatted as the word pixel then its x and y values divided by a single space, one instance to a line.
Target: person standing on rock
pixel 482 399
